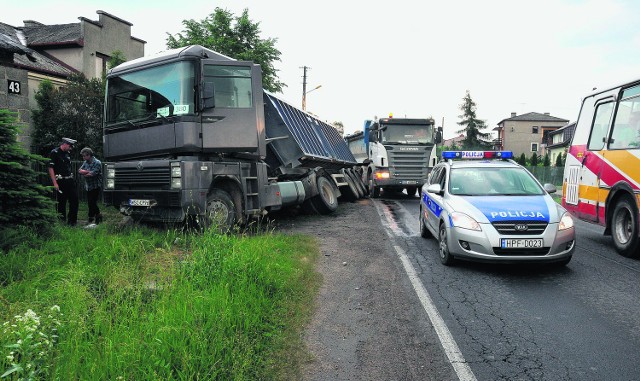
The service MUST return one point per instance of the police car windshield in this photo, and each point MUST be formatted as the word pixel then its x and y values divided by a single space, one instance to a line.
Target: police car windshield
pixel 493 181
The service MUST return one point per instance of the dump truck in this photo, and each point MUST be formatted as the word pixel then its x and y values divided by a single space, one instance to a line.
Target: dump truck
pixel 191 135
pixel 395 153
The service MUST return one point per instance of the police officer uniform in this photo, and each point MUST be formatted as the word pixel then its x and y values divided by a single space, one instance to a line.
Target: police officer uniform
pixel 62 177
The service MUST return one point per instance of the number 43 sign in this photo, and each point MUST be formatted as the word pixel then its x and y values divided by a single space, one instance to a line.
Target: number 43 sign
pixel 13 87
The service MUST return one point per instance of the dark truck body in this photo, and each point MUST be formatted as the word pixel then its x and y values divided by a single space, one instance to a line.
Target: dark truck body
pixel 191 132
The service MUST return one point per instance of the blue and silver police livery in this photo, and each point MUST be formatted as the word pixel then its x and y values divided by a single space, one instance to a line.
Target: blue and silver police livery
pixel 481 205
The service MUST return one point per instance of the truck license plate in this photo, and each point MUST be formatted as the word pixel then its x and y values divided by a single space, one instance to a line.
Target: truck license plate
pixel 136 202
pixel 520 243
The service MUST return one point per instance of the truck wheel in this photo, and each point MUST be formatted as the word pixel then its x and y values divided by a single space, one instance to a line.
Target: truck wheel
pixel 350 192
pixel 221 211
pixel 356 183
pixel 624 228
pixel 374 191
pixel 326 201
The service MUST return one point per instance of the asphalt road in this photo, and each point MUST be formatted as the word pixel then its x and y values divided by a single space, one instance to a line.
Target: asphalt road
pixel 579 322
pixel 389 310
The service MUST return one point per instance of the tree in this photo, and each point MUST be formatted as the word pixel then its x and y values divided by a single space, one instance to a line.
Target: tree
pixel 474 137
pixel 23 202
pixel 534 159
pixel 236 37
pixel 74 111
pixel 117 57
pixel 523 159
pixel 559 160
pixel 546 162
pixel 45 119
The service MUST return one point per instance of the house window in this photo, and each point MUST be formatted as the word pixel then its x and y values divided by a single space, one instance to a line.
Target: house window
pixel 534 147
pixel 534 129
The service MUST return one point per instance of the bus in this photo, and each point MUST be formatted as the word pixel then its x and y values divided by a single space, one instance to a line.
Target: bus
pixel 601 182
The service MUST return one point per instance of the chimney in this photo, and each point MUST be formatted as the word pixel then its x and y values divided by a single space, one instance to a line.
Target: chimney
pixel 547 114
pixel 513 114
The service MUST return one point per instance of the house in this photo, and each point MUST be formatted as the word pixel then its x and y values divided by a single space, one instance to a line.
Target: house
pixel 559 141
pixel 36 52
pixel 527 133
pixel 456 141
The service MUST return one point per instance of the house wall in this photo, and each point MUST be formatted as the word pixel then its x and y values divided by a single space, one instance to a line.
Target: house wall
pixel 18 103
pixel 519 136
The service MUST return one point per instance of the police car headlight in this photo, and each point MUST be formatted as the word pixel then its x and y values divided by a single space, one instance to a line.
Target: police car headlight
pixel 566 222
pixel 461 220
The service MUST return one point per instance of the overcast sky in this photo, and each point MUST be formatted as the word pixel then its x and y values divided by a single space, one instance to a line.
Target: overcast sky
pixel 412 58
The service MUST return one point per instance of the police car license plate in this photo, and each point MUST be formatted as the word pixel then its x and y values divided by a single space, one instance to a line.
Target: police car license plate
pixel 520 243
pixel 136 202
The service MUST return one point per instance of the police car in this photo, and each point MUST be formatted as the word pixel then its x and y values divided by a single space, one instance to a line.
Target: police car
pixel 481 205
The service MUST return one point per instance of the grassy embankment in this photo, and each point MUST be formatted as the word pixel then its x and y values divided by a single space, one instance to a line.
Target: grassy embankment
pixel 144 304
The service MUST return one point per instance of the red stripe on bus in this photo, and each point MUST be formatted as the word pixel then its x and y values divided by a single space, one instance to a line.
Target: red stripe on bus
pixel 608 174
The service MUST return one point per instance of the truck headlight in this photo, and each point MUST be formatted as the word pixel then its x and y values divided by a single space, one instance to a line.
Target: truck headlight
pixel 110 178
pixel 176 175
pixel 382 175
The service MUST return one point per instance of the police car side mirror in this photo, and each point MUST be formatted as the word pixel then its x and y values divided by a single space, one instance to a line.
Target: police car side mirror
pixel 434 188
pixel 550 188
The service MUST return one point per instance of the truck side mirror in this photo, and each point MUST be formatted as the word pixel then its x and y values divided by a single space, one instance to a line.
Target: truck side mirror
pixel 439 135
pixel 373 136
pixel 208 100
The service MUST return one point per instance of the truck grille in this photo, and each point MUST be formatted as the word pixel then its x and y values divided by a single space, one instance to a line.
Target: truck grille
pixel 409 165
pixel 149 178
pixel 516 227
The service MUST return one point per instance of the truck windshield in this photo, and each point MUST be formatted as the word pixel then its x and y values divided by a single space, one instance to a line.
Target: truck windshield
pixel 153 93
pixel 407 133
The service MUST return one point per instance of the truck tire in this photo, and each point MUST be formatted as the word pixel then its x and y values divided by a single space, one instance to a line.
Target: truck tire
pixel 356 184
pixel 326 201
pixel 357 179
pixel 624 228
pixel 350 192
pixel 221 211
pixel 374 191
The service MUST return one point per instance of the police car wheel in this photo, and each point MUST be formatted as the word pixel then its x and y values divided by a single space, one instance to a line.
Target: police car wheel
pixel 445 256
pixel 424 232
pixel 624 228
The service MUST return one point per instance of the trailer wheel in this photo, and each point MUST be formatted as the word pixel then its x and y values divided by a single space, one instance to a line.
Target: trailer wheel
pixel 359 190
pixel 624 228
pixel 350 192
pixel 357 179
pixel 326 201
pixel 221 211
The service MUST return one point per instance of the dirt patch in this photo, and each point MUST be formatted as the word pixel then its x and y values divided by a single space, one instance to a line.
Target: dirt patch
pixel 368 323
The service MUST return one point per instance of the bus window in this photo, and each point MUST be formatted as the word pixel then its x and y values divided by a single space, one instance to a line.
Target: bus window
pixel 626 129
pixel 600 124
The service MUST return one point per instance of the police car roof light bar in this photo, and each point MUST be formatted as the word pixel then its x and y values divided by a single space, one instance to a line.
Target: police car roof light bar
pixel 476 155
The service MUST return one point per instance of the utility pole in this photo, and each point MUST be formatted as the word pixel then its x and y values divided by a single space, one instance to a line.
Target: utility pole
pixel 304 87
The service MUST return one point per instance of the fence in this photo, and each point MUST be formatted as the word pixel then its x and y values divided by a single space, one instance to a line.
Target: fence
pixel 552 175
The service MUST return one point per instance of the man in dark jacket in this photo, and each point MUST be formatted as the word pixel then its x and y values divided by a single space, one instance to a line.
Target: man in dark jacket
pixel 62 178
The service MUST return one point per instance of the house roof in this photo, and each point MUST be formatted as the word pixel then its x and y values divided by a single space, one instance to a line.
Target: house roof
pixel 533 117
pixel 46 35
pixel 12 42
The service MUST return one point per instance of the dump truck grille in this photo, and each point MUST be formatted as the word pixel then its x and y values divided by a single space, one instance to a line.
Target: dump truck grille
pixel 147 178
pixel 409 165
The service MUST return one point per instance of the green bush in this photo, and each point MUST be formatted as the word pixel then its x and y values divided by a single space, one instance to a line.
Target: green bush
pixel 25 205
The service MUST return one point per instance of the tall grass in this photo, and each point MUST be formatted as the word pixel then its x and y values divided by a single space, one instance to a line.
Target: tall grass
pixel 144 304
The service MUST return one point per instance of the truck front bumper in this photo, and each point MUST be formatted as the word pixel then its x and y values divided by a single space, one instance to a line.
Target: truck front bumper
pixel 158 206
